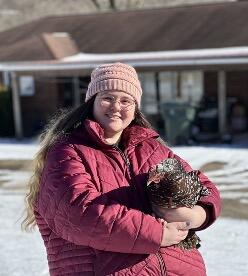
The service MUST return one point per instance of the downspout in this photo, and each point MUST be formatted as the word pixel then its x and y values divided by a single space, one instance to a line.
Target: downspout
pixel 76 92
pixel 222 101
pixel 16 103
pixel 160 120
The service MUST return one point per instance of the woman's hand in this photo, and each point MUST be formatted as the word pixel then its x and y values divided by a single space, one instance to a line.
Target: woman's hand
pixel 196 215
pixel 174 232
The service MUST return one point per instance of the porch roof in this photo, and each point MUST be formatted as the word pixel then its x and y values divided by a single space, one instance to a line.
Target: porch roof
pixel 165 29
pixel 162 60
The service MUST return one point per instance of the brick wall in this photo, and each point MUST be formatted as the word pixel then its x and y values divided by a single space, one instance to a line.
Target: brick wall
pixel 38 108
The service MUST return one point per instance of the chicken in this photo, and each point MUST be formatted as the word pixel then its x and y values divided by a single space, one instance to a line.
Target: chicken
pixel 170 186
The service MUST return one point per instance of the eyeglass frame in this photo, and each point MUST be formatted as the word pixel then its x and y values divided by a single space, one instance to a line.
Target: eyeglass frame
pixel 107 103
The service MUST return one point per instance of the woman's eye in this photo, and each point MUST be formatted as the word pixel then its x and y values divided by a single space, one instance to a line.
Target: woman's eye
pixel 109 99
pixel 126 101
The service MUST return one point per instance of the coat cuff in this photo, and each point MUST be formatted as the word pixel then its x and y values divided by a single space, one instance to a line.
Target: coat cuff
pixel 152 237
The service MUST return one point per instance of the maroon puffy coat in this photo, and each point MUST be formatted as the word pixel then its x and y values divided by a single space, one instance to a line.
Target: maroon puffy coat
pixel 92 210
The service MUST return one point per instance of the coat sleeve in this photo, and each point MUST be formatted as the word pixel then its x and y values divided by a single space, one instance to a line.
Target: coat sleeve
pixel 74 209
pixel 212 202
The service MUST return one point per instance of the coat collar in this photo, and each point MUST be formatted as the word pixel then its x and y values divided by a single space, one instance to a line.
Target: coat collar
pixel 131 136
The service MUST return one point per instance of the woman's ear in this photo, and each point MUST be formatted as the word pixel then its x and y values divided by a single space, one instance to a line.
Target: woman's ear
pixel 135 113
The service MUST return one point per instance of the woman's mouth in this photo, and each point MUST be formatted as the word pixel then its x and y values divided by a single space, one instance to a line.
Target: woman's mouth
pixel 113 117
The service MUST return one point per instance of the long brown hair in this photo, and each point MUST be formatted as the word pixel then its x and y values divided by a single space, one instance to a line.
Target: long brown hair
pixel 62 124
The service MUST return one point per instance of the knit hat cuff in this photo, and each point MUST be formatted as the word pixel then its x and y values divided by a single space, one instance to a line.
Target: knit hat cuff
pixel 114 85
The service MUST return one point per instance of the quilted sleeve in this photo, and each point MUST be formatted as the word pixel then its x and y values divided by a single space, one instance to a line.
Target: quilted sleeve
pixel 74 209
pixel 212 202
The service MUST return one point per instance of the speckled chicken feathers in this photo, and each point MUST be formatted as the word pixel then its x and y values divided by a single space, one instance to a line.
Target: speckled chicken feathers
pixel 170 186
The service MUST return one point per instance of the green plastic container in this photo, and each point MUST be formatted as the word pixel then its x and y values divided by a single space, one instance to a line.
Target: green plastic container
pixel 178 116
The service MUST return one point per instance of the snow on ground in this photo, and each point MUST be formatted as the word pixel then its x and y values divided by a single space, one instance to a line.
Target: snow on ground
pixel 11 177
pixel 224 244
pixel 10 151
pixel 21 254
pixel 231 178
pixel 224 247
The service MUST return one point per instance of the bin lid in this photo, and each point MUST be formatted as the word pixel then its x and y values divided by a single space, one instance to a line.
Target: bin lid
pixel 179 103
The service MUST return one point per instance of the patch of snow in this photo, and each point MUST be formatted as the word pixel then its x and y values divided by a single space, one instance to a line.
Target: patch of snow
pixel 244 201
pixel 14 151
pixel 227 187
pixel 178 54
pixel 224 247
pixel 234 172
pixel 13 177
pixel 21 254
pixel 226 180
pixel 199 156
pixel 234 195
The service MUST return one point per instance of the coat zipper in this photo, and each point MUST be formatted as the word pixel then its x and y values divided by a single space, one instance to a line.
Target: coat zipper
pixel 127 162
pixel 131 175
pixel 129 168
pixel 161 264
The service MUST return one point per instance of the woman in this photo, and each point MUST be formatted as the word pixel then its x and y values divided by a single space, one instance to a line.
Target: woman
pixel 87 194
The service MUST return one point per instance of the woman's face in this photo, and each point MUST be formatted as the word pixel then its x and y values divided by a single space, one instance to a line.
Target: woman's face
pixel 114 111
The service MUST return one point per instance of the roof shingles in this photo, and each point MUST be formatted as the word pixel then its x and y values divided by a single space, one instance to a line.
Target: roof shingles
pixel 191 27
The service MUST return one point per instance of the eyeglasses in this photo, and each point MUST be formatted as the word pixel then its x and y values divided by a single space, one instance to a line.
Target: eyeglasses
pixel 109 100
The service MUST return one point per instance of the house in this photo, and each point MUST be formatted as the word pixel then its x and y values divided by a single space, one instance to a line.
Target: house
pixel 194 53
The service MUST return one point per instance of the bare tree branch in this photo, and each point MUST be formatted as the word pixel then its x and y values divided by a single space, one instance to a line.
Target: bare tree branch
pixel 96 4
pixel 130 4
pixel 112 5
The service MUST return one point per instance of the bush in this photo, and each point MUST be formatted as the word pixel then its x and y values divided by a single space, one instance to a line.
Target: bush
pixel 6 114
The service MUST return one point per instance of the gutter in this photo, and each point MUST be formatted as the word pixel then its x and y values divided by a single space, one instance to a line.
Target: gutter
pixel 166 59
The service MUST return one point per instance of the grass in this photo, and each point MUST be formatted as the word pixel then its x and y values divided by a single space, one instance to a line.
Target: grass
pixel 233 208
pixel 212 166
pixel 24 165
pixel 15 165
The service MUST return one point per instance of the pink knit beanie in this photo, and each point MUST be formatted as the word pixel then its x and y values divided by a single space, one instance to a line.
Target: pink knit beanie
pixel 116 76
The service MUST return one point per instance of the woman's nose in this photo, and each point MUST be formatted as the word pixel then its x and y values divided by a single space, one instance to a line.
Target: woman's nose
pixel 116 105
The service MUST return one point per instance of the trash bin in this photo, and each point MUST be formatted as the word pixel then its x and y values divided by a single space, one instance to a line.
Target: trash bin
pixel 178 116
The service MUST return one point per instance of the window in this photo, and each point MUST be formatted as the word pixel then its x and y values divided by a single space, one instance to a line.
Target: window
pixel 149 99
pixel 168 85
pixel 191 83
pixel 186 85
pixel 27 87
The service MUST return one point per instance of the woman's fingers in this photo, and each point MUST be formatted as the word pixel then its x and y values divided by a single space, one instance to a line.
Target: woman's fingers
pixel 174 232
pixel 183 233
pixel 182 225
pixel 183 229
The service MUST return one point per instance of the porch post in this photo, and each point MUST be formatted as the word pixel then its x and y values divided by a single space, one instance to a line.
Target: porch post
pixel 6 78
pixel 76 98
pixel 222 101
pixel 160 120
pixel 16 106
pixel 157 91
